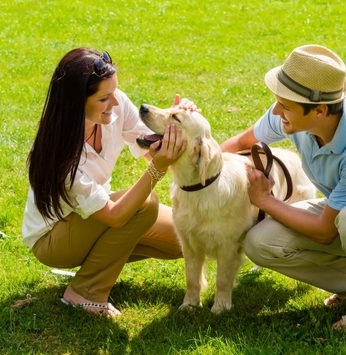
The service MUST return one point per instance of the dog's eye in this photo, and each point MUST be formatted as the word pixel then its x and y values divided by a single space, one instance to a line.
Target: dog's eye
pixel 175 117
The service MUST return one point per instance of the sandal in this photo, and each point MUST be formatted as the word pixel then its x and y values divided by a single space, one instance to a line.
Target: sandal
pixel 334 301
pixel 340 324
pixel 101 308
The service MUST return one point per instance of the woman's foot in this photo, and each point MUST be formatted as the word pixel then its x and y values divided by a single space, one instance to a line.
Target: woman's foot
pixel 100 308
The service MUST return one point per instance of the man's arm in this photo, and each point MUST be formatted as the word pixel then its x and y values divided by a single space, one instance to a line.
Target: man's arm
pixel 241 141
pixel 319 228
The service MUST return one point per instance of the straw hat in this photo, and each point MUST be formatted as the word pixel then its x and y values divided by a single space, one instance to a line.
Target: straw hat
pixel 311 74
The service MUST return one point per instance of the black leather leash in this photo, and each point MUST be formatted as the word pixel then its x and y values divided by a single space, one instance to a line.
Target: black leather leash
pixel 255 151
pixel 262 148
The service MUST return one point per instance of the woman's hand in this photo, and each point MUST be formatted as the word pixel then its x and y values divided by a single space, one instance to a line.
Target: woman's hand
pixel 172 147
pixel 185 104
pixel 259 186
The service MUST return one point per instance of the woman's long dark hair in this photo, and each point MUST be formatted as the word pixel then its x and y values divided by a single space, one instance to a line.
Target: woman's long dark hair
pixel 55 155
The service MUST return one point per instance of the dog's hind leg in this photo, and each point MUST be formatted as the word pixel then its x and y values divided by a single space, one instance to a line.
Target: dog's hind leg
pixel 195 280
pixel 228 264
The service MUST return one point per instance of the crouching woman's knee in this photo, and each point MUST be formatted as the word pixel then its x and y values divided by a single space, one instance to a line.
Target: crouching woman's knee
pixel 150 208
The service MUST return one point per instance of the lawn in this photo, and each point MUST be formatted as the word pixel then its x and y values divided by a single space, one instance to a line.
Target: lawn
pixel 214 52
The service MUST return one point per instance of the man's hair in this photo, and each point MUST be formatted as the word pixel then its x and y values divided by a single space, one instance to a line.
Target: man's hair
pixel 332 108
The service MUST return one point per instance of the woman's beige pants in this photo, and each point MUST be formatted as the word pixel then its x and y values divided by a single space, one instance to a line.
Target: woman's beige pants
pixel 271 245
pixel 102 251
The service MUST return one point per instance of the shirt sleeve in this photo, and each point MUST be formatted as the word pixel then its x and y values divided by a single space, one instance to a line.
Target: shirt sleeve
pixel 87 196
pixel 337 198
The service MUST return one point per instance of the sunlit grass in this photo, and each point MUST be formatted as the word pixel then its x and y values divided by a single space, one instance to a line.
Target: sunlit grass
pixel 214 52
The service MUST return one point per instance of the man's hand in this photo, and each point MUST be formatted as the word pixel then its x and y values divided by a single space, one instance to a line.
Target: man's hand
pixel 259 186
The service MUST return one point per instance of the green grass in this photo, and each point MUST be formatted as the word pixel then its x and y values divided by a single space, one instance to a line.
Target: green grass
pixel 214 52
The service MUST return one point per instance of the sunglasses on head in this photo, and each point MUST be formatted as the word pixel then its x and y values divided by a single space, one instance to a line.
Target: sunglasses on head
pixel 101 63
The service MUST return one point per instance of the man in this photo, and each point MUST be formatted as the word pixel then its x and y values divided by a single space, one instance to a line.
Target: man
pixel 307 240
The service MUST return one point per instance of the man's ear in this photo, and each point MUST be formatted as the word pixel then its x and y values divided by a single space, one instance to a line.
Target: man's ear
pixel 321 110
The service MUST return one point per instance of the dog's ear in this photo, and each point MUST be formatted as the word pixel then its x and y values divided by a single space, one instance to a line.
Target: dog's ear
pixel 201 158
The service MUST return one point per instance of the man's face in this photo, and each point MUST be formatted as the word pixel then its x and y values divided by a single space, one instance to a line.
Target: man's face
pixel 292 115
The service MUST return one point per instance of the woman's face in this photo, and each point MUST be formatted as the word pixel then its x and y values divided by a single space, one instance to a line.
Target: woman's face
pixel 98 107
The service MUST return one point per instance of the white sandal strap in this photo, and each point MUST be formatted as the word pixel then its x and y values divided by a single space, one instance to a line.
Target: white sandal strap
pixel 85 304
pixel 96 305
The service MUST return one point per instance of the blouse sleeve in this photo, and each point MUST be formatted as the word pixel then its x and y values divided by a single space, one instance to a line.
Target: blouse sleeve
pixel 87 196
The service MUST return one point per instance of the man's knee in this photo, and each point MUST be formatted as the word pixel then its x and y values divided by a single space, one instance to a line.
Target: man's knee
pixel 264 243
pixel 252 246
pixel 340 223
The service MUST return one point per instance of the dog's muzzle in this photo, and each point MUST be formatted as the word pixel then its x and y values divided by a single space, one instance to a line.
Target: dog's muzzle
pixel 145 141
pixel 143 110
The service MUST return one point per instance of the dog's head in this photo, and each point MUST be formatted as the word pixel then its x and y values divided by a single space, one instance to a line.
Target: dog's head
pixel 195 129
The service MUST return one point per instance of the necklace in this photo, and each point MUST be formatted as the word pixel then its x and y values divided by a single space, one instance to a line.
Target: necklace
pixel 94 131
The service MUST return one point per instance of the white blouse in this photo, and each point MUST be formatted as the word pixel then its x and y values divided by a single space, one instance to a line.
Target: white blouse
pixel 91 188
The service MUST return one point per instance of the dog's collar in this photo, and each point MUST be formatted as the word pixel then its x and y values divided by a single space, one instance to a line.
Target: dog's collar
pixel 200 186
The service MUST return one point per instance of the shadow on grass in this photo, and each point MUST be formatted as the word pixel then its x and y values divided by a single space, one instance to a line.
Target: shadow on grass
pixel 262 322
pixel 47 326
pixel 289 332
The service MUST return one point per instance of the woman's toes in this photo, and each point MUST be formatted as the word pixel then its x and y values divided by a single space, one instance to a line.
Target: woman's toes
pixel 101 308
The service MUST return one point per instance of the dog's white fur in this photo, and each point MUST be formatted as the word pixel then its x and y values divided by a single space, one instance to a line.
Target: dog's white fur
pixel 212 222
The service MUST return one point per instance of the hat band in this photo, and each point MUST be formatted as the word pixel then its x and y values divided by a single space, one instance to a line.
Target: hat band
pixel 312 95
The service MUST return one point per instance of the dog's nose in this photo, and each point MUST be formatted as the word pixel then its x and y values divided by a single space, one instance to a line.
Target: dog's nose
pixel 144 109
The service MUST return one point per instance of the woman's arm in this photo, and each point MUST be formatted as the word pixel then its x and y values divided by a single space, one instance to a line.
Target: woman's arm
pixel 118 213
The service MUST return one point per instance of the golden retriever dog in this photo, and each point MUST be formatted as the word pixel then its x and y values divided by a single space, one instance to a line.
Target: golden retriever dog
pixel 211 207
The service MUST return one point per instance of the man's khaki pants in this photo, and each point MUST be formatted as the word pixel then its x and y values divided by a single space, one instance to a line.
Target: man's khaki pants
pixel 272 245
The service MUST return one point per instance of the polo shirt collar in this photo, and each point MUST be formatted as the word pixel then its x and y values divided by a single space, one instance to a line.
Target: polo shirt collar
pixel 338 143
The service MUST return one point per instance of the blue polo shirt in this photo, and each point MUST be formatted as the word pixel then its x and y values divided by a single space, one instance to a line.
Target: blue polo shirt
pixel 325 166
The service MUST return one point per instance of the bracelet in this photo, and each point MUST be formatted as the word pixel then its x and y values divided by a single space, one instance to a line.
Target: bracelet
pixel 154 174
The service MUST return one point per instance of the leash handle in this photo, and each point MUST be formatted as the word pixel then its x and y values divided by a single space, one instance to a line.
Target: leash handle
pixel 266 170
pixel 259 166
pixel 288 179
pixel 257 160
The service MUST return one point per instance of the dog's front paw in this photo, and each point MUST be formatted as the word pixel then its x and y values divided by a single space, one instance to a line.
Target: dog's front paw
pixel 219 307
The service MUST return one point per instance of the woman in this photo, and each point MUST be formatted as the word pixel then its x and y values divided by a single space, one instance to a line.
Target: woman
pixel 71 216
